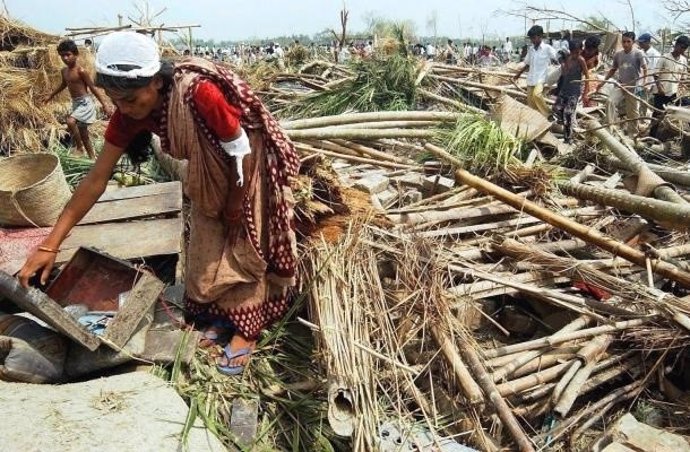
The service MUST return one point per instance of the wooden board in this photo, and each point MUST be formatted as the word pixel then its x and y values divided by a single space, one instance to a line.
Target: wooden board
pixel 39 304
pixel 132 208
pixel 140 191
pixel 127 240
pixel 139 302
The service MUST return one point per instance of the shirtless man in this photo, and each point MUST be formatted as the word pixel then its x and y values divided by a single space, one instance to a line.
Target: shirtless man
pixel 78 82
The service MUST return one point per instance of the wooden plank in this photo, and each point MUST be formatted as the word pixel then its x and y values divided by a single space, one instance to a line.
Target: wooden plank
pixel 139 302
pixel 140 191
pixel 127 240
pixel 131 208
pixel 39 304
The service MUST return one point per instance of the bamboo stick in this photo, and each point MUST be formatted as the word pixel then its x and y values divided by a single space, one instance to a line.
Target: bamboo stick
pixel 518 362
pixel 370 152
pixel 358 118
pixel 357 134
pixel 567 399
pixel 583 232
pixel 338 146
pixel 470 387
pixel 548 358
pixel 499 403
pixel 352 158
pixel 381 125
pixel 559 339
pixel 451 102
pixel 514 387
pixel 572 302
pixel 534 361
pixel 602 374
pixel 500 89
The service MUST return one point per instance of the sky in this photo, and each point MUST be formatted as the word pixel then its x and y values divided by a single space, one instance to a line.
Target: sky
pixel 239 20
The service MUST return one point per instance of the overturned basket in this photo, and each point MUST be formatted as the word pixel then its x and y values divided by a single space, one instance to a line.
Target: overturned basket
pixel 33 190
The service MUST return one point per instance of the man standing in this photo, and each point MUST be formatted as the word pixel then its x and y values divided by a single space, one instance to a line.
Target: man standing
pixel 631 65
pixel 507 50
pixel 653 57
pixel 669 72
pixel 537 62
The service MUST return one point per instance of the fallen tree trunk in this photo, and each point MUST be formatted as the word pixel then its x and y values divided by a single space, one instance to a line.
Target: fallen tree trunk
pixel 662 211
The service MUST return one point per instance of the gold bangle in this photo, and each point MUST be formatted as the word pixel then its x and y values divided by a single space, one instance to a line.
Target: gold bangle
pixel 48 250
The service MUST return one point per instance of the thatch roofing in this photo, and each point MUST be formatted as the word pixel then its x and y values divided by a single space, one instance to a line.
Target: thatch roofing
pixel 14 34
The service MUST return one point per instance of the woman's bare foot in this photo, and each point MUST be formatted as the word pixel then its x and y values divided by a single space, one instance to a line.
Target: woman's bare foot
pixel 237 343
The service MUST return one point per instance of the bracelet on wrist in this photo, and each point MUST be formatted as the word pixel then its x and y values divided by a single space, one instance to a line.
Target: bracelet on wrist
pixel 48 249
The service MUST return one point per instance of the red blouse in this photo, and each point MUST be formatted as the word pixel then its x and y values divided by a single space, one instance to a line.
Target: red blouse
pixel 221 117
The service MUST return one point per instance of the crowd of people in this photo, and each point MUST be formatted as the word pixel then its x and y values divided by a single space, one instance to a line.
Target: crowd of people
pixel 639 80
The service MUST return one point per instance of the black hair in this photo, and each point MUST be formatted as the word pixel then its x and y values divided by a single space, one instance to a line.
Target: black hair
pixel 574 44
pixel 592 42
pixel 629 34
pixel 536 30
pixel 683 41
pixel 68 46
pixel 125 84
pixel 139 149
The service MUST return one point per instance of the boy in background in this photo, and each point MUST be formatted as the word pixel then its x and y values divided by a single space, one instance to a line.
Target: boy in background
pixel 78 82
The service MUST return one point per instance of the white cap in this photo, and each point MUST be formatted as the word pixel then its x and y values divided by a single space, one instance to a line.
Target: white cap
pixel 128 48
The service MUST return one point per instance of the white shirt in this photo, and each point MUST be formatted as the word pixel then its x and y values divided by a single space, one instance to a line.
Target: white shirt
pixel 671 72
pixel 653 57
pixel 279 52
pixel 508 47
pixel 539 61
pixel 431 50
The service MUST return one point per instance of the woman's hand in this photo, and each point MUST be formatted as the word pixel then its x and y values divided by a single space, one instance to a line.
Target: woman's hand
pixel 42 261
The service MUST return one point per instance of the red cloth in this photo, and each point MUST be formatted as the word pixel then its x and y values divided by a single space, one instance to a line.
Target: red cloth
pixel 221 117
pixel 16 245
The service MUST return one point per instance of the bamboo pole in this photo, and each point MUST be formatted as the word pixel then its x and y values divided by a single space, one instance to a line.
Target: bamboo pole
pixel 348 147
pixel 634 163
pixel 581 231
pixel 590 354
pixel 672 175
pixel 662 211
pixel 355 118
pixel 467 383
pixel 555 339
pixel 517 363
pixel 351 158
pixel 450 102
pixel 382 125
pixel 500 89
pixel 370 152
pixel 514 387
pixel 357 134
pixel 489 387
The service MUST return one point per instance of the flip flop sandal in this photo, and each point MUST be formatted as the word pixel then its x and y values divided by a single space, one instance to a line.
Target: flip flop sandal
pixel 230 355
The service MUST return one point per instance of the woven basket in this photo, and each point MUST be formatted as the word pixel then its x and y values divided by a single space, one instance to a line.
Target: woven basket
pixel 33 190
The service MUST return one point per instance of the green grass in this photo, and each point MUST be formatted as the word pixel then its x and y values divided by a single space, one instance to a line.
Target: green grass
pixel 380 84
pixel 481 144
